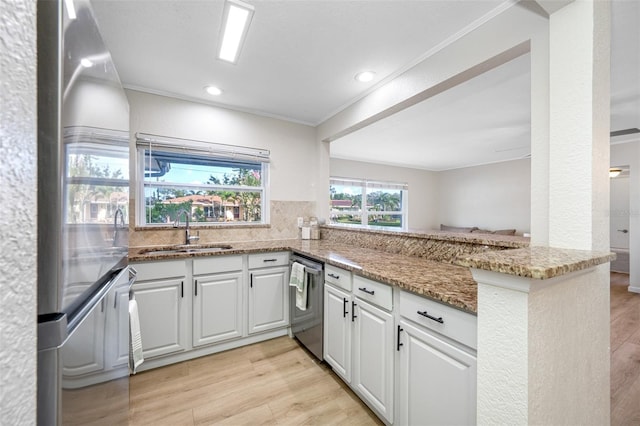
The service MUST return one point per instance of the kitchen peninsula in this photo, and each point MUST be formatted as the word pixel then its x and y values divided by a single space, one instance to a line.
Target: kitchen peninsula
pixel 420 268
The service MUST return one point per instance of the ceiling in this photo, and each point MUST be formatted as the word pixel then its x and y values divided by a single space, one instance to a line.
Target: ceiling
pixel 300 58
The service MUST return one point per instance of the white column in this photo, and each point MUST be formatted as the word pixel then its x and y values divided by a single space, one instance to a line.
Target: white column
pixel 543 345
pixel 579 126
pixel 542 349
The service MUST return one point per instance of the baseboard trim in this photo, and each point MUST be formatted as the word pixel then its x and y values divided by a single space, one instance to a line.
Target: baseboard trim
pixel 634 289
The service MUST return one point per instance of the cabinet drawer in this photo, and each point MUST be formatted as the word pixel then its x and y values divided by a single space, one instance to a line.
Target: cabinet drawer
pixel 215 264
pixel 374 292
pixel 264 260
pixel 457 325
pixel 160 270
pixel 337 276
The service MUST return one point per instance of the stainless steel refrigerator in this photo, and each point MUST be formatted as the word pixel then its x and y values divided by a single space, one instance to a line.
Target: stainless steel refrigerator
pixel 83 208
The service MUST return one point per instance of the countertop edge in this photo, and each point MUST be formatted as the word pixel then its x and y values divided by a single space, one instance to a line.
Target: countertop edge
pixel 536 262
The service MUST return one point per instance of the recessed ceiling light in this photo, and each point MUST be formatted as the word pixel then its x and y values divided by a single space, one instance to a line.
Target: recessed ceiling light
pixel 87 63
pixel 236 19
pixel 365 76
pixel 213 90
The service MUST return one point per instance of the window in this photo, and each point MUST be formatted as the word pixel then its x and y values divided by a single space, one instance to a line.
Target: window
pixel 364 203
pixel 96 175
pixel 216 184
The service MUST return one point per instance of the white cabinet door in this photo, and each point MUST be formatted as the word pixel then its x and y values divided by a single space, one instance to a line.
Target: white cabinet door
pixel 373 353
pixel 268 299
pixel 437 380
pixel 162 309
pixel 83 353
pixel 217 308
pixel 337 331
pixel 118 323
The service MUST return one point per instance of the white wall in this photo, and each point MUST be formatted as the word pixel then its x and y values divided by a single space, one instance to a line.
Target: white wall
pixel 628 154
pixel 96 104
pixel 18 211
pixel 422 212
pixel 293 170
pixel 493 196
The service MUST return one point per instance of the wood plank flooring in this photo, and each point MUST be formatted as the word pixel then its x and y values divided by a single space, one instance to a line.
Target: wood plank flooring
pixel 273 382
pixel 625 353
pixel 277 382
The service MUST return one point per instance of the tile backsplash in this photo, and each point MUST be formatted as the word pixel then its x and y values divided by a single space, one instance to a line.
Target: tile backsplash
pixel 283 215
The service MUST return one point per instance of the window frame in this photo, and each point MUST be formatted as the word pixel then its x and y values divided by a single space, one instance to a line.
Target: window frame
pixel 95 143
pixel 227 154
pixel 369 186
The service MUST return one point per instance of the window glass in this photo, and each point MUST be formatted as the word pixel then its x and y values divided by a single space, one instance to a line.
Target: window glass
pixel 362 203
pixel 212 189
pixel 96 182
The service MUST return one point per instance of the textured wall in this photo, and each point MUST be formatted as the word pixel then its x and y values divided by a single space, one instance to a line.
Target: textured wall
pixel 569 364
pixel 18 212
pixel 503 354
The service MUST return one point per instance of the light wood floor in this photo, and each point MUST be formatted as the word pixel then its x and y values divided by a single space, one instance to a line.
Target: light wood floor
pixel 273 382
pixel 625 353
pixel 277 382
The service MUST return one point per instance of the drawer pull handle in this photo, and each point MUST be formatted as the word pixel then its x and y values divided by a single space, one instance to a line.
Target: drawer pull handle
pixel 337 277
pixel 425 314
pixel 371 292
pixel 344 307
pixel 270 260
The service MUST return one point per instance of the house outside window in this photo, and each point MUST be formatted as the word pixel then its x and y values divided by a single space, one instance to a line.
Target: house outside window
pixel 215 184
pixel 96 176
pixel 368 204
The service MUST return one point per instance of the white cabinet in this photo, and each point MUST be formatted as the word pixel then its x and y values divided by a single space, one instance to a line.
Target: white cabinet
pixel 268 299
pixel 373 353
pixel 118 324
pixel 437 380
pixel 217 299
pixel 217 308
pixel 337 331
pixel 268 291
pixel 83 353
pixel 163 307
pixel 98 349
pixel 437 383
pixel 359 337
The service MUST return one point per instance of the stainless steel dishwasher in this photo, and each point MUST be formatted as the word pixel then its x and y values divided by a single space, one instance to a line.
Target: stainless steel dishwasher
pixel 306 326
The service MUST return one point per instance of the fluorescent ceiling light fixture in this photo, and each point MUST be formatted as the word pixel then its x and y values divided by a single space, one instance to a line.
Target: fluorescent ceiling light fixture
pixel 87 63
pixel 235 24
pixel 213 90
pixel 614 172
pixel 71 9
pixel 365 76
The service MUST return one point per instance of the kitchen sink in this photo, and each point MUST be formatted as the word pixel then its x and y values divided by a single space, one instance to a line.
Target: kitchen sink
pixel 185 249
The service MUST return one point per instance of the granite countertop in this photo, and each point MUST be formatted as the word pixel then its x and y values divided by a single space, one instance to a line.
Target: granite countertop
pixel 536 262
pixel 510 241
pixel 447 283
pixel 443 282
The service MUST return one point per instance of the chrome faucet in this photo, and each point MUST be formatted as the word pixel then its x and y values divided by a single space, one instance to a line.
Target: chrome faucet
pixel 188 237
pixel 119 213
